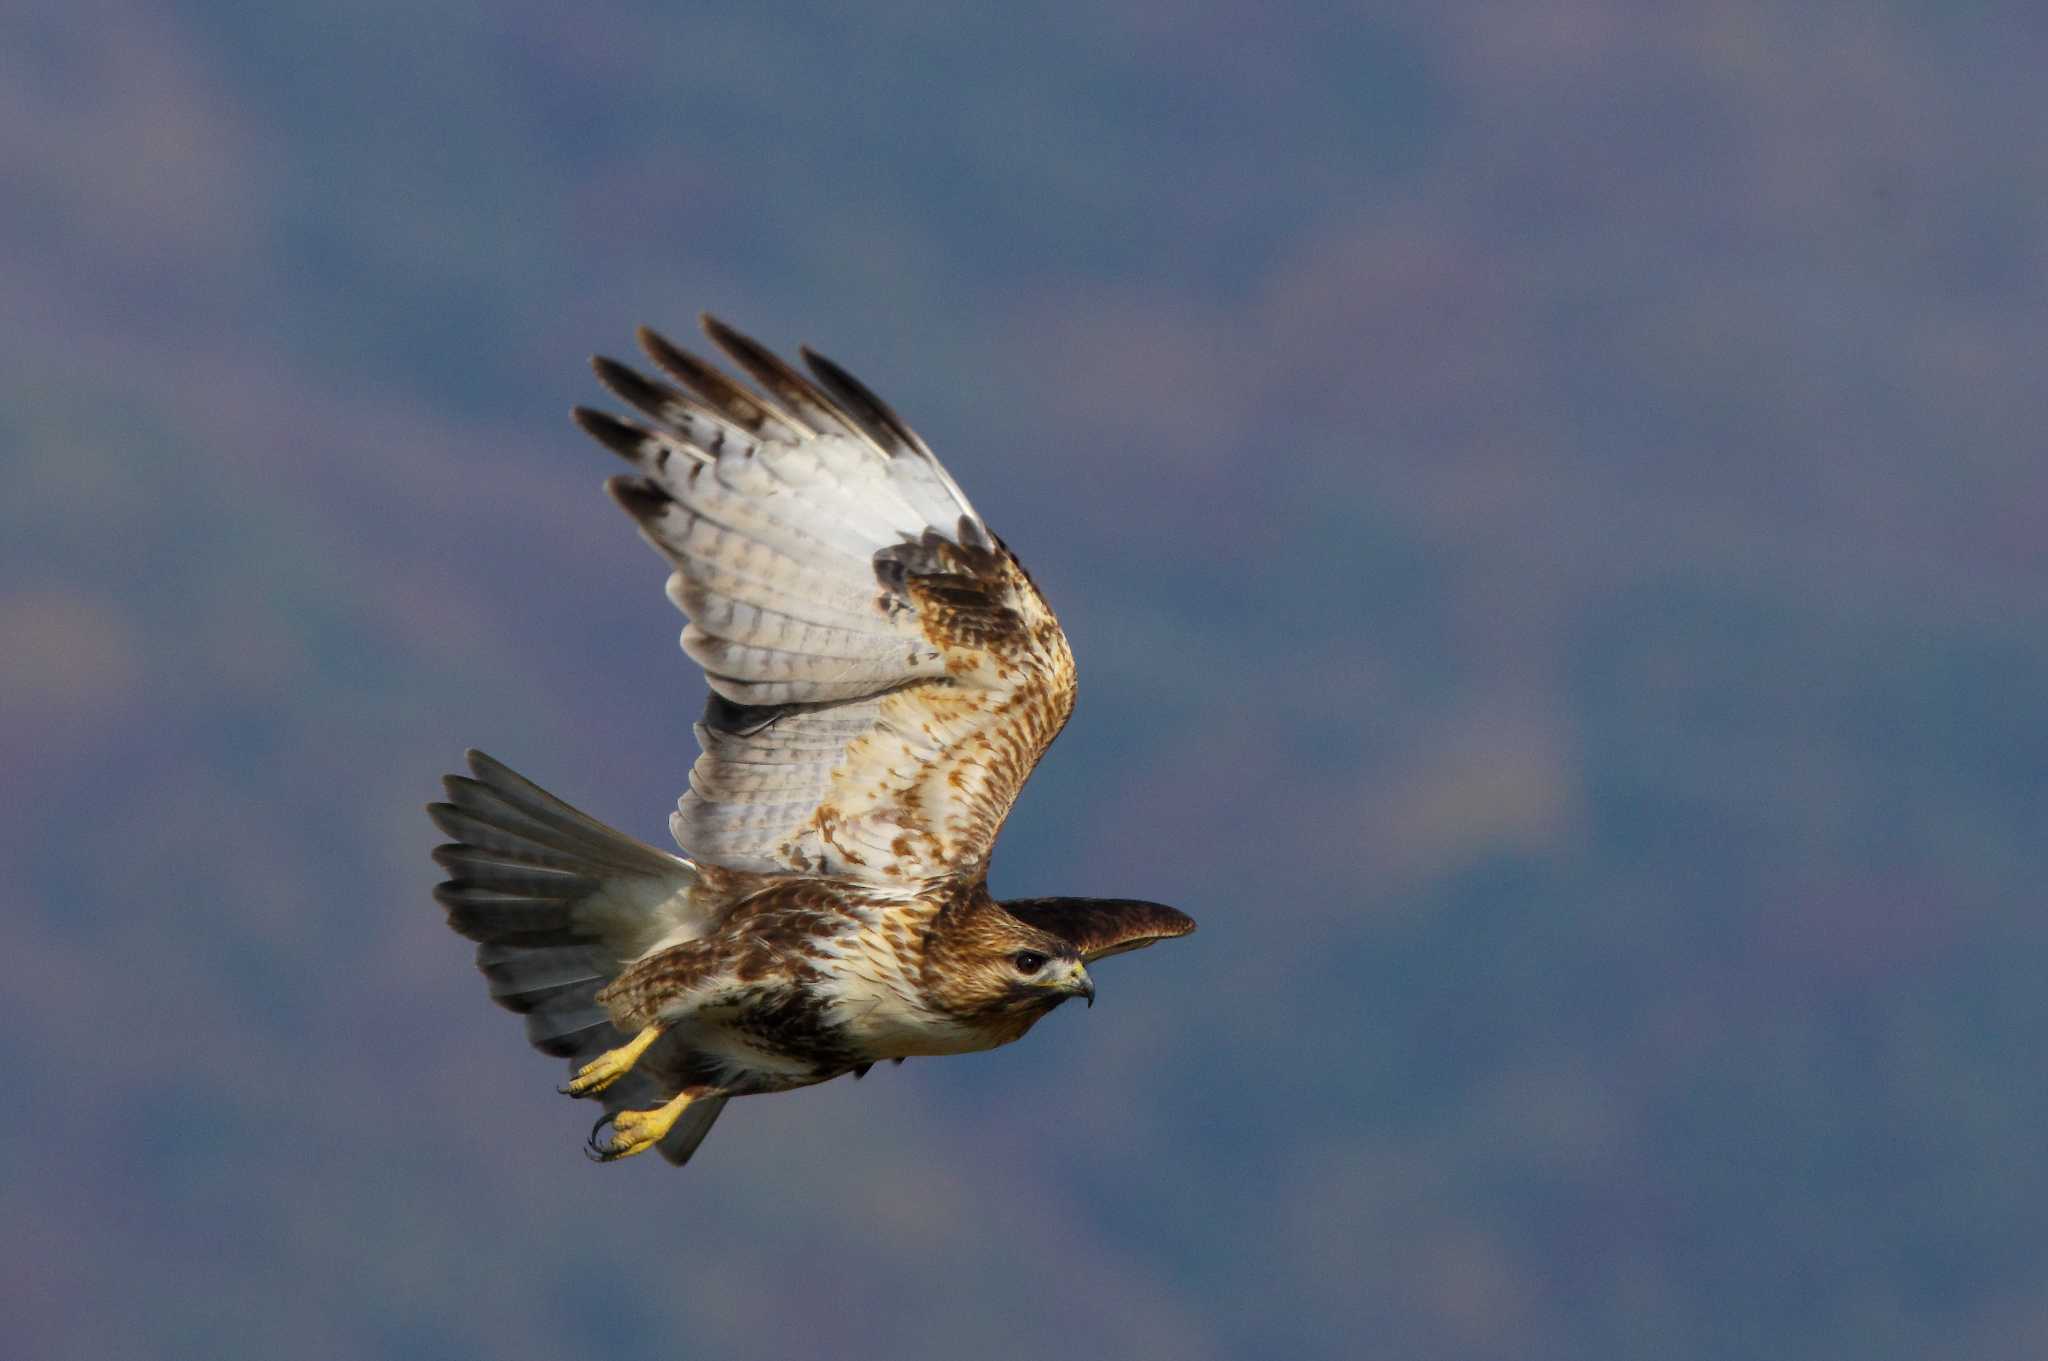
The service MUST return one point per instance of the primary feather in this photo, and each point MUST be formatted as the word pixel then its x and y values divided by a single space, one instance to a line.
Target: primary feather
pixel 903 673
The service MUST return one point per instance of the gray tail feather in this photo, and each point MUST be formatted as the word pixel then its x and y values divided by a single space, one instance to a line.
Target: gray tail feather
pixel 557 903
pixel 556 900
pixel 681 1141
pixel 648 1084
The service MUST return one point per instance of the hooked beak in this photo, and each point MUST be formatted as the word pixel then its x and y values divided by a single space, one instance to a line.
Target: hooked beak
pixel 1080 984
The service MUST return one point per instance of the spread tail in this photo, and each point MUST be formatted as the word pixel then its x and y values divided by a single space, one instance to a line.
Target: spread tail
pixel 558 903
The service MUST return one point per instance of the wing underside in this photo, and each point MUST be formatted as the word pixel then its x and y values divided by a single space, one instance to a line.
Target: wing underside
pixel 883 673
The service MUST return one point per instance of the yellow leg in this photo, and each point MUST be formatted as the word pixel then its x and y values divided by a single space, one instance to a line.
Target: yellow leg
pixel 637 1131
pixel 608 1067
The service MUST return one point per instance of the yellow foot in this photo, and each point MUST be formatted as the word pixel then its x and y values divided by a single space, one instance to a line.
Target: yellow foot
pixel 608 1067
pixel 635 1131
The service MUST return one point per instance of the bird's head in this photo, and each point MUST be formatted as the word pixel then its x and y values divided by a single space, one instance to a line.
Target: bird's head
pixel 991 967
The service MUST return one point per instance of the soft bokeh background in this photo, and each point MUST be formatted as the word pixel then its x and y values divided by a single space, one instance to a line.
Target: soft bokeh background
pixel 1549 501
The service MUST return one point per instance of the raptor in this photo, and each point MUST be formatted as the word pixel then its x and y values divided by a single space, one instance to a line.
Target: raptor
pixel 883 678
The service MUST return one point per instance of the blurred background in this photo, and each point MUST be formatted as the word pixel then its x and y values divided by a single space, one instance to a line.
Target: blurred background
pixel 1549 502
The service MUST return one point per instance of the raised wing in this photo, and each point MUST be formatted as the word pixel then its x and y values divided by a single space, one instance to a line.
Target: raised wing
pixel 1101 927
pixel 883 673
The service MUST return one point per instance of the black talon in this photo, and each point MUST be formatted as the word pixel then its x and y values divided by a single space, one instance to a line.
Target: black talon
pixel 595 1151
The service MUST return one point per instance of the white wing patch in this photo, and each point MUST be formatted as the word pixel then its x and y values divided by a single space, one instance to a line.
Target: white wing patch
pixel 883 676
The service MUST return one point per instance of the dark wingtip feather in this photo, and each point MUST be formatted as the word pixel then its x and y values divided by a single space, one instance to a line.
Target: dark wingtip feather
pixel 777 378
pixel 876 416
pixel 676 361
pixel 713 327
pixel 632 386
pixel 638 497
pixel 749 353
pixel 724 395
pixel 621 437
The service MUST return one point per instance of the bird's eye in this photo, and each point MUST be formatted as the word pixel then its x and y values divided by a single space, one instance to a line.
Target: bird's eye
pixel 1028 961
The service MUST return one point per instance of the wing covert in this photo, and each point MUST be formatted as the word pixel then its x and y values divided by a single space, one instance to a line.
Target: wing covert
pixel 884 675
pixel 1101 927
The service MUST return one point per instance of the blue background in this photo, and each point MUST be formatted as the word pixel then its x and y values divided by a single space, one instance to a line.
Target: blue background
pixel 1549 502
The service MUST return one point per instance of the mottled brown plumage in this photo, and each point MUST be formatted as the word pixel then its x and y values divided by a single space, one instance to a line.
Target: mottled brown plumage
pixel 884 676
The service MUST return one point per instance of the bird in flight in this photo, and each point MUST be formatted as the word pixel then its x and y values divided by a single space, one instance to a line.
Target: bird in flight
pixel 883 677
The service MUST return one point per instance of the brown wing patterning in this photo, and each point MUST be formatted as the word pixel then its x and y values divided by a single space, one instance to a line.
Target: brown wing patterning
pixel 925 791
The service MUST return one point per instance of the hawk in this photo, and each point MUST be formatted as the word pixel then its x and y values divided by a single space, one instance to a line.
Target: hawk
pixel 883 677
